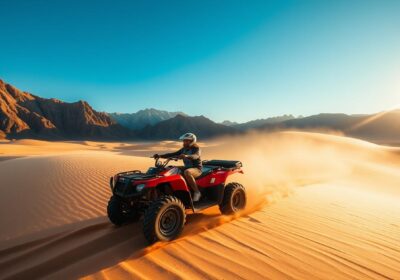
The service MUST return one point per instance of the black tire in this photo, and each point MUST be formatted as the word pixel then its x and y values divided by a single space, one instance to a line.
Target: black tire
pixel 118 214
pixel 234 199
pixel 164 219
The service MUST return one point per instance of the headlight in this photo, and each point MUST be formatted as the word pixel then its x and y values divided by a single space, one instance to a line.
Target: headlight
pixel 113 182
pixel 140 187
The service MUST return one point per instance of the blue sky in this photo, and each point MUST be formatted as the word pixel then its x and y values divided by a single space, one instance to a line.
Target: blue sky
pixel 236 60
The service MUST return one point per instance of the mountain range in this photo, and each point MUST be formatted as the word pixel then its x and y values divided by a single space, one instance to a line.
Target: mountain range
pixel 180 124
pixel 24 115
pixel 143 118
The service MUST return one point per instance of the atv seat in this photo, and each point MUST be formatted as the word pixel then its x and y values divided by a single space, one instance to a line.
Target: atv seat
pixel 222 163
pixel 206 170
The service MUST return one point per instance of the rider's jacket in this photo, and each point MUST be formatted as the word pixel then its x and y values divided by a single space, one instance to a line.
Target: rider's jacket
pixel 193 158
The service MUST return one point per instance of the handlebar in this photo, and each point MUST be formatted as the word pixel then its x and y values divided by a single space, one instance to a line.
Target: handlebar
pixel 162 164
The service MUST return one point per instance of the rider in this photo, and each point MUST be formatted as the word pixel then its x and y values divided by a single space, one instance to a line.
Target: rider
pixel 190 153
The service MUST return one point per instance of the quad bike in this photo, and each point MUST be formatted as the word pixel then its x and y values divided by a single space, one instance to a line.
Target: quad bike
pixel 162 196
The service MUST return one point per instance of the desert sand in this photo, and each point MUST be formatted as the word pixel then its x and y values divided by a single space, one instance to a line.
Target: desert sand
pixel 319 207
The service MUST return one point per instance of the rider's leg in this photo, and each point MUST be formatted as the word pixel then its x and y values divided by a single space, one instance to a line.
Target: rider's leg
pixel 190 174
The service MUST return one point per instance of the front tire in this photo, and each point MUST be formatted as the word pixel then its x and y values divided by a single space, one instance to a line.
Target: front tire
pixel 119 213
pixel 164 219
pixel 234 199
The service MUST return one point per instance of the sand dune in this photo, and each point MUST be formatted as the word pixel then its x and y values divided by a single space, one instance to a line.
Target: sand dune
pixel 57 189
pixel 309 235
pixel 321 207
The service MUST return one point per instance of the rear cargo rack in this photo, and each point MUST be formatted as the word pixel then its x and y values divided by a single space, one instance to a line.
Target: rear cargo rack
pixel 229 164
pixel 130 172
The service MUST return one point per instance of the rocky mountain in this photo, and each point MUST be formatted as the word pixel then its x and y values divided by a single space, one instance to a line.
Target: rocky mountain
pixel 174 127
pixel 143 118
pixel 24 115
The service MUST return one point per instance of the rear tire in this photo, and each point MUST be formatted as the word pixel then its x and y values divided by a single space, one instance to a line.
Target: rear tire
pixel 234 199
pixel 164 219
pixel 118 213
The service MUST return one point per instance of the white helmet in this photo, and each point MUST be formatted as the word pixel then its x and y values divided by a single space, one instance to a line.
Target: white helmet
pixel 189 136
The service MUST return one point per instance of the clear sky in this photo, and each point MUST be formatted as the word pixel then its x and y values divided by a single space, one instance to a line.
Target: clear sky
pixel 236 60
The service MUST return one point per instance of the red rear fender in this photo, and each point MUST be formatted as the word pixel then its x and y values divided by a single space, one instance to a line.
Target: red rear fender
pixel 216 178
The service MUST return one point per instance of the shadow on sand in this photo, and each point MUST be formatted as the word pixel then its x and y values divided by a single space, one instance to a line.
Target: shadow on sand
pixel 86 247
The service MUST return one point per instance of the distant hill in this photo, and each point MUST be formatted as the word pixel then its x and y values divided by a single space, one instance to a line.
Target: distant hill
pixel 329 121
pixel 261 122
pixel 380 127
pixel 384 126
pixel 24 115
pixel 142 118
pixel 173 128
pixel 229 123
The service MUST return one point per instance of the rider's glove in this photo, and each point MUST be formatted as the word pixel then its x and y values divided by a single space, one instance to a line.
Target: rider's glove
pixel 156 156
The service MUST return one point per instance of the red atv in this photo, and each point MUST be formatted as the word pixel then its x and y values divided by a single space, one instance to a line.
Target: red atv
pixel 162 196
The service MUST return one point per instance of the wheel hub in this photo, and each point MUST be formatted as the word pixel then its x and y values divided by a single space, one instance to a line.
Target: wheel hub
pixel 169 221
pixel 237 200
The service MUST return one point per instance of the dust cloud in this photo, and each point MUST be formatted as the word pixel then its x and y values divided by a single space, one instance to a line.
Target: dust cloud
pixel 275 164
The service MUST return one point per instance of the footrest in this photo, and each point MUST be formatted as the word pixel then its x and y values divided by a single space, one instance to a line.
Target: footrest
pixel 203 204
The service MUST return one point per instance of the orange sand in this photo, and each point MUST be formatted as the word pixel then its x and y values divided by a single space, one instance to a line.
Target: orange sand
pixel 320 207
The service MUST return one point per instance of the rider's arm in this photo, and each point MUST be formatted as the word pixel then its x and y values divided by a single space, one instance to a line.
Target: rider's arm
pixel 196 153
pixel 168 155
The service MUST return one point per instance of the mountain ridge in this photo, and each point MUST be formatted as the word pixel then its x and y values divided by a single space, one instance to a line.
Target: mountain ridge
pixel 25 115
pixel 174 127
pixel 142 118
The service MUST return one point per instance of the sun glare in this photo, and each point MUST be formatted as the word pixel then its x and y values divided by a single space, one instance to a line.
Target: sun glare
pixel 374 117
